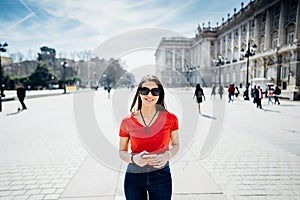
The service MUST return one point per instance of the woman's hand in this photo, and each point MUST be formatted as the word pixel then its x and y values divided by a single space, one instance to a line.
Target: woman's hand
pixel 138 160
pixel 159 161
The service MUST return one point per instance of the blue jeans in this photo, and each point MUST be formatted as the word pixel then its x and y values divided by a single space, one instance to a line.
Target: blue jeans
pixel 158 184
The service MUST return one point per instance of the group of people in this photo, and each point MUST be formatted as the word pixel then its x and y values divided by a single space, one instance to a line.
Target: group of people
pixel 257 95
pixel 233 91
pixel 220 91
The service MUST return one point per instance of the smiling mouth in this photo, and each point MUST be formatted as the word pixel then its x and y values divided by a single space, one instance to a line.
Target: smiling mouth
pixel 149 99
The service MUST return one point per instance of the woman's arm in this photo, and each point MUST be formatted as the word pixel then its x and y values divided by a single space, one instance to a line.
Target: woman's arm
pixel 123 144
pixel 129 158
pixel 175 143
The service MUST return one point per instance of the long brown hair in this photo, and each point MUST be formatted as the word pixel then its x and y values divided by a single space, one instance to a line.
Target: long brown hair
pixel 161 100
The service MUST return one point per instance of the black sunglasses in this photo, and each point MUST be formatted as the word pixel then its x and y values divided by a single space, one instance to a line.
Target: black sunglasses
pixel 145 91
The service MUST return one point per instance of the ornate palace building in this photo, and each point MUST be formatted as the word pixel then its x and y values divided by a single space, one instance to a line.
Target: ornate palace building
pixel 259 44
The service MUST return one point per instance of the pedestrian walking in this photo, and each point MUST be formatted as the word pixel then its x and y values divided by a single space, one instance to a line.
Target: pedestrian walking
pixel 221 91
pixel 152 132
pixel 199 94
pixel 237 92
pixel 269 93
pixel 259 96
pixel 108 92
pixel 277 93
pixel 230 92
pixel 253 94
pixel 108 88
pixel 21 94
pixel 213 91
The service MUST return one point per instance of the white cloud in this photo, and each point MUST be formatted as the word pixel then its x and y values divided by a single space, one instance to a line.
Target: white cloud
pixel 70 25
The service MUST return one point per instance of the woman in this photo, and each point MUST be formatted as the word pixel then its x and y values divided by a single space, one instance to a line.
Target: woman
pixel 213 91
pixel 276 94
pixel 149 130
pixel 237 92
pixel 199 94
pixel 270 94
pixel 221 91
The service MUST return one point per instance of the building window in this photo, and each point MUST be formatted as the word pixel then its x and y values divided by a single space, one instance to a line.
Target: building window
pixel 178 64
pixel 169 53
pixel 276 11
pixel 262 27
pixel 274 39
pixel 244 28
pixel 252 23
pixel 264 17
pixel 290 34
pixel 275 17
pixel 223 45
pixel 236 32
pixel 291 11
pixel 262 44
pixel 169 63
pixel 270 73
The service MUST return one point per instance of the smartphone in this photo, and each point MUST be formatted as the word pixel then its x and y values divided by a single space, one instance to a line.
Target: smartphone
pixel 149 155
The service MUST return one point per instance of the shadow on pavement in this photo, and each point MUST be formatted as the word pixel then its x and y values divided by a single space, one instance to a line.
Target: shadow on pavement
pixel 208 116
pixel 13 113
pixel 267 110
pixel 288 105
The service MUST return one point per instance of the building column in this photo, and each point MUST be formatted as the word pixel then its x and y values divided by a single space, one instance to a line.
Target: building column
pixel 268 31
pixel 182 59
pixel 173 58
pixel 199 54
pixel 226 46
pixel 281 32
pixel 297 28
pixel 232 46
pixel 256 32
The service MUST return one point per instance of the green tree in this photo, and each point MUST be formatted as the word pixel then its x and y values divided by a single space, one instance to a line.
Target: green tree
pixel 41 76
pixel 8 82
pixel 113 73
pixel 46 54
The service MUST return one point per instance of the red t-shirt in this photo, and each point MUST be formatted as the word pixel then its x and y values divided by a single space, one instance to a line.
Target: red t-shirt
pixel 156 140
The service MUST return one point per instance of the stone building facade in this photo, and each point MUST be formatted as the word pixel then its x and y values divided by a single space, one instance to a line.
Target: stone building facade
pixel 262 40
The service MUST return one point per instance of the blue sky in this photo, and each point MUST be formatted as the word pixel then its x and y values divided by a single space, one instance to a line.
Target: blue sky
pixel 75 25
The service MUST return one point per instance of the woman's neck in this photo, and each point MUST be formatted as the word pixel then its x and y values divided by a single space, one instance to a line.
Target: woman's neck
pixel 148 111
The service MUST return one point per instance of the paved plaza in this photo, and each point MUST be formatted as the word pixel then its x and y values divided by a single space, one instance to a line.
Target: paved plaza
pixel 231 151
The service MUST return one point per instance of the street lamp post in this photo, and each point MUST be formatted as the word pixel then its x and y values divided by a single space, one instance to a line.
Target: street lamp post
pixel 220 61
pixel 2 49
pixel 64 65
pixel 250 52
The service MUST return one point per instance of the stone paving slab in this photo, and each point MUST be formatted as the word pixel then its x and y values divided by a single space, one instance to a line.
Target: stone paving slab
pixel 94 180
pixel 42 159
pixel 38 158
pixel 245 166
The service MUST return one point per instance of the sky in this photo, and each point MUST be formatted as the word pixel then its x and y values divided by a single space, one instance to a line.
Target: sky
pixel 77 25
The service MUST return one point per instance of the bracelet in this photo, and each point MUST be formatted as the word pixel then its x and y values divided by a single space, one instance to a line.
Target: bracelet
pixel 131 158
pixel 170 154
